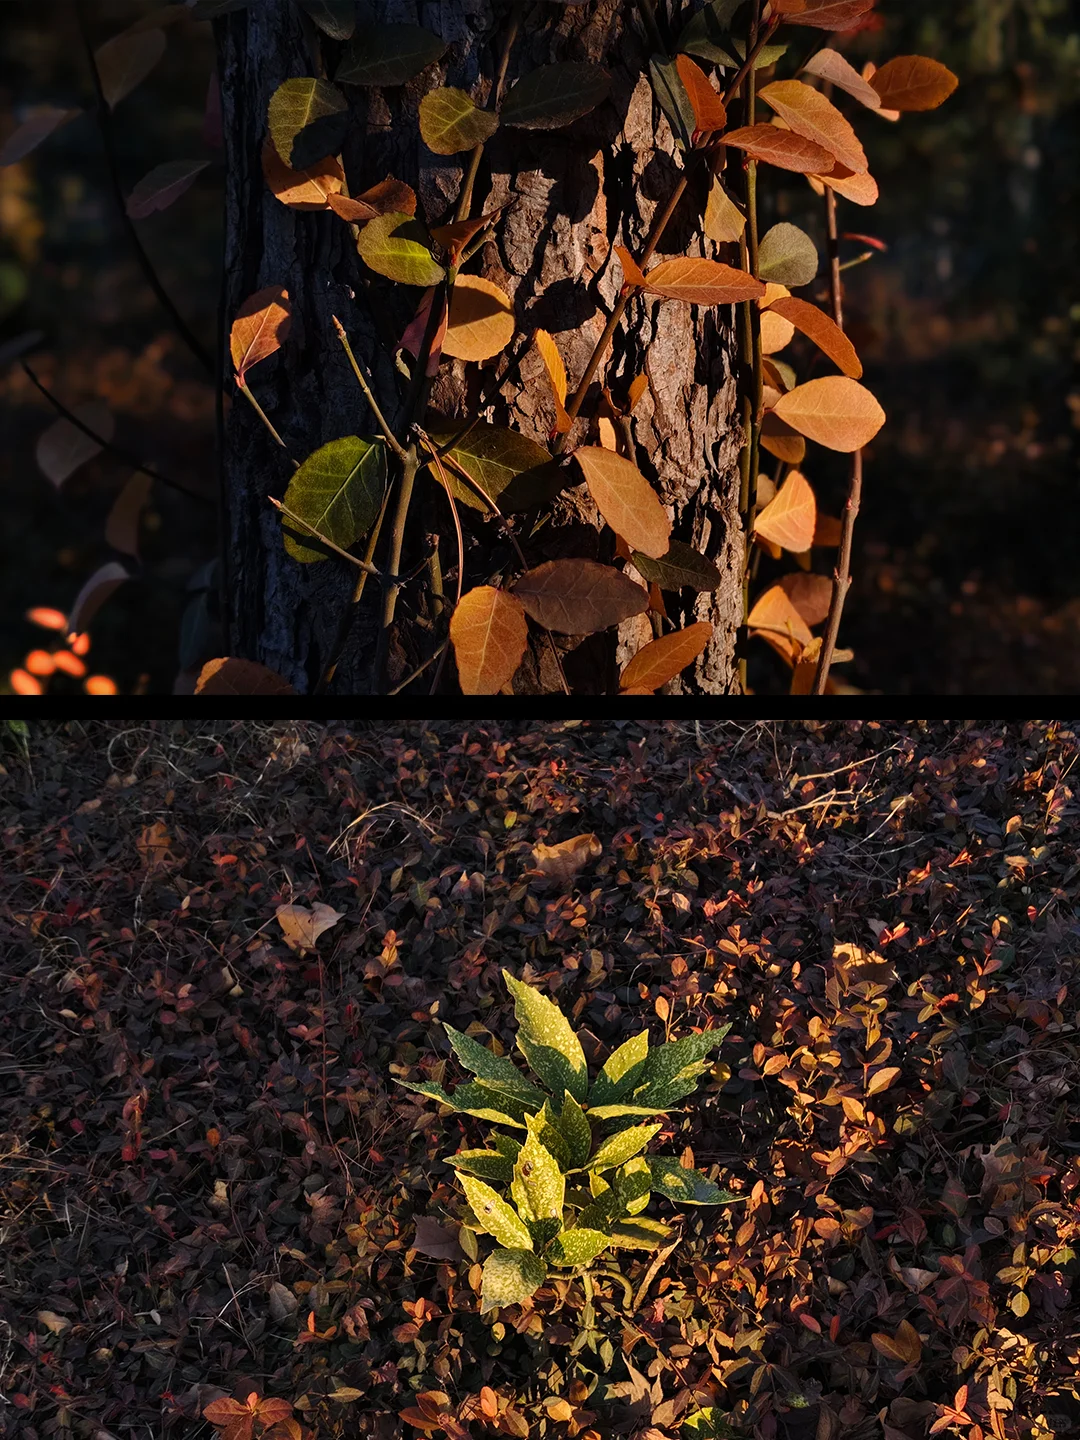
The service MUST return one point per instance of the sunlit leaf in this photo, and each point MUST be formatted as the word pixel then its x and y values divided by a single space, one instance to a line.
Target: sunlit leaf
pixel 830 65
pixel 494 1215
pixel 555 95
pixel 787 255
pixel 859 189
pixel 685 1187
pixel 632 272
pixel 579 597
pixel 775 618
pixel 556 374
pixel 913 82
pixel 577 1247
pixel 509 1277
pixel 776 332
pixel 388 195
pixel 788 519
pixel 388 55
pixel 338 490
pixel 810 594
pixel 548 1041
pixel 708 108
pixel 487 1164
pixel 454 237
pixel 620 1071
pixel 308 119
pixel 661 660
pixel 300 925
pixel 489 635
pixel 781 440
pixel 450 122
pixel 125 61
pixel 681 567
pixel 227 676
pixel 261 326
pixel 822 330
pixel 724 221
pixel 63 448
pixel 164 184
pixel 625 499
pixel 812 115
pixel 702 282
pixel 497 1071
pixel 782 148
pixel 398 246
pixel 619 1148
pixel 539 1187
pixel 41 122
pixel 834 411
pixel 641 1233
pixel 493 456
pixel 481 320
pixel 308 189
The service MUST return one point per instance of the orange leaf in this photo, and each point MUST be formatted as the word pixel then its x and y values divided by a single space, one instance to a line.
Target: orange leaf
pixel 489 635
pixel 882 1079
pixel 556 374
pixel 489 1402
pixel 708 108
pixel 240 677
pixel 481 320
pixel 859 189
pixel 272 1410
pixel 261 326
pixel 702 282
pixel 454 237
pixel 782 148
pixel 579 597
pixel 781 440
pixel 913 82
pixel 788 520
pixel 835 411
pixel 814 117
pixel 775 619
pixel 827 531
pixel 220 1412
pixel 661 660
pixel 832 14
pixel 802 679
pixel 631 271
pixel 626 500
pixel 830 65
pixel 810 594
pixel 776 332
pixel 307 189
pixel 638 386
pixel 822 329
pixel 389 196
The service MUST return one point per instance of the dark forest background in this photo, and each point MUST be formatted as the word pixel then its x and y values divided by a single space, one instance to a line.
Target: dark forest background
pixel 965 574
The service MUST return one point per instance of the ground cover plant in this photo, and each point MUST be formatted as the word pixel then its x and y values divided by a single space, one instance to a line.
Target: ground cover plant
pixel 225 944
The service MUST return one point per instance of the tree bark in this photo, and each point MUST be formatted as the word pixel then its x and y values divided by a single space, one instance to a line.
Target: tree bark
pixel 570 196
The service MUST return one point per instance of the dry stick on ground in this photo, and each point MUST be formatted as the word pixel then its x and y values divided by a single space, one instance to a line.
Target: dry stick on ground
pixel 842 573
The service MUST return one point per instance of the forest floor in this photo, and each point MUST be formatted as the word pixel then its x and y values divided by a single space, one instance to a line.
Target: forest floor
pixel 211 1187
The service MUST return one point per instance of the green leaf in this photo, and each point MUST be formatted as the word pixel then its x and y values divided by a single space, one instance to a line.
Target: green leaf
pixel 494 1215
pixel 707 33
pixel 666 1063
pixel 493 457
pixel 509 1277
pixel 336 18
pixel 544 1230
pixel 619 1148
pixel 488 1164
pixel 474 1102
pixel 594 1217
pixel 538 485
pixel 639 1234
pixel 611 1112
pixel 576 1130
pixel 620 1068
pixel 555 95
pixel 506 1145
pixel 673 99
pixel 449 121
pixel 577 1246
pixel 633 1185
pixel 338 490
pixel 681 568
pixel 547 1041
pixel 538 1187
pixel 398 246
pixel 787 256
pixel 388 55
pixel 685 1187
pixel 497 1071
pixel 308 120
pixel 551 1136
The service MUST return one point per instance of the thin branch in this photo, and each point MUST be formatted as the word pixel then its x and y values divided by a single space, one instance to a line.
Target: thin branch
pixel 153 279
pixel 388 435
pixel 465 198
pixel 241 385
pixel 295 519
pixel 117 450
pixel 421 668
pixel 345 623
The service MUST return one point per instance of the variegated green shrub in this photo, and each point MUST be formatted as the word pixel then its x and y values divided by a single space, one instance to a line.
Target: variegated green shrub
pixel 579 1180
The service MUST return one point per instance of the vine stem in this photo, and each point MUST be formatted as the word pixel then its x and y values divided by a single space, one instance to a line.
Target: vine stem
pixel 241 385
pixel 842 572
pixel 388 435
pixel 748 246
pixel 152 278
pixel 465 198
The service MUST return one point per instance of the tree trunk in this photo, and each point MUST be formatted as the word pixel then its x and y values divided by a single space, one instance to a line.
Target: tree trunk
pixel 571 195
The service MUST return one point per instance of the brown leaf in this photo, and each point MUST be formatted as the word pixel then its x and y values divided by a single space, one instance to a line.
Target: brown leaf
pixel 560 863
pixel 661 660
pixel 832 14
pixel 810 594
pixel 812 115
pixel 489 635
pixel 834 411
pixel 859 189
pixel 308 189
pixel 126 60
pixel 702 282
pixel 776 620
pixel 579 597
pixel 625 499
pixel 830 65
pixel 261 326
pixel 302 927
pixel 435 1240
pixel 55 1324
pixel 122 526
pixel 822 329
pixel 782 148
pixel 226 676
pixel 724 222
pixel 481 319
pixel 913 82
pixel 788 520
pixel 708 108
pixel 388 197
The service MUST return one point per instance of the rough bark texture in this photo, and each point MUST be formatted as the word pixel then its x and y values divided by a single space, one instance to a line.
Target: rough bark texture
pixel 571 196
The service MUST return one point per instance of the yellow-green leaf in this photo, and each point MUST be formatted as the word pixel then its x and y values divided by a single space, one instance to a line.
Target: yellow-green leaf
pixel 685 1187
pixel 577 1247
pixel 398 246
pixel 538 1187
pixel 308 120
pixel 547 1041
pixel 619 1071
pixel 509 1277
pixel 449 121
pixel 494 1215
pixel 338 490
pixel 617 1149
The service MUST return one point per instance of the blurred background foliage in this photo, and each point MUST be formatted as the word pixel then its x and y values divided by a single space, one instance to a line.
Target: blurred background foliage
pixel 965 577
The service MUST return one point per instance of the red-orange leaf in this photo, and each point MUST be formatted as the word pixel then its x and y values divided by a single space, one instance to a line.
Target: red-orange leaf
pixel 579 597
pixel 661 660
pixel 308 189
pixel 631 270
pixel 859 189
pixel 832 14
pixel 913 82
pixel 261 325
pixel 702 282
pixel 835 412
pixel 823 330
pixel 812 115
pixel 489 636
pixel 708 108
pixel 782 148
pixel 227 676
pixel 388 197
pixel 831 65
pixel 788 520
pixel 625 499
